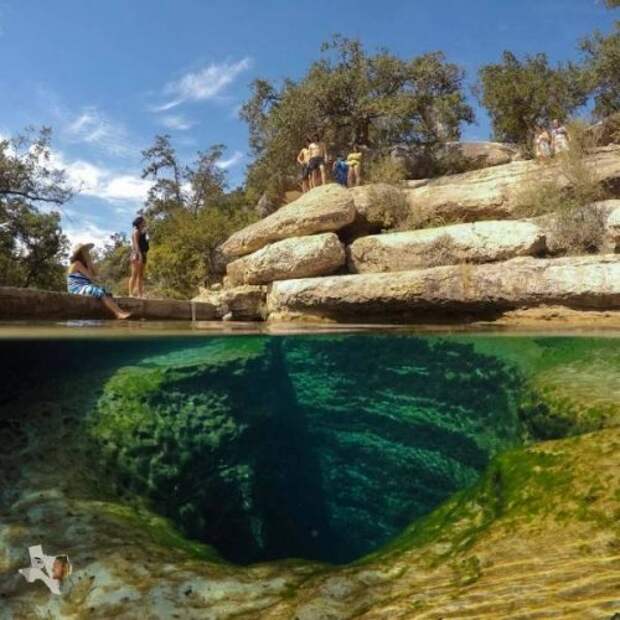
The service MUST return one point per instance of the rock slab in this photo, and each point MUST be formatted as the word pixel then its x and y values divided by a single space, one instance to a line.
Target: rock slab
pixel 479 242
pixel 297 257
pixel 378 206
pixel 324 209
pixel 241 303
pixel 585 282
pixel 492 193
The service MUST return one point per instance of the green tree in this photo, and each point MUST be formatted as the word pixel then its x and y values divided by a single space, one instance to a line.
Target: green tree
pixel 32 245
pixel 602 62
pixel 521 94
pixel 351 96
pixel 113 265
pixel 190 214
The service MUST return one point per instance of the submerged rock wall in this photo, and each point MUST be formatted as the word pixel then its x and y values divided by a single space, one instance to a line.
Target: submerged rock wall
pixel 304 447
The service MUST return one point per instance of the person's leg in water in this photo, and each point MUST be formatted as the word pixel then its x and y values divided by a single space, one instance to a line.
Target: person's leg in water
pixel 111 305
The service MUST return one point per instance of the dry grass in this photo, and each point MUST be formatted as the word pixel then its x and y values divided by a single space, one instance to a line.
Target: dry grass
pixel 443 251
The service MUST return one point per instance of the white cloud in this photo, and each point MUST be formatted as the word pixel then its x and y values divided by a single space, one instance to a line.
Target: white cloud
pixel 204 84
pixel 91 126
pixel 87 232
pixel 176 121
pixel 91 180
pixel 233 160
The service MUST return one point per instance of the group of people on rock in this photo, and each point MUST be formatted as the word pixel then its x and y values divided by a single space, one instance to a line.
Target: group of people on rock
pixel 82 275
pixel 550 142
pixel 315 161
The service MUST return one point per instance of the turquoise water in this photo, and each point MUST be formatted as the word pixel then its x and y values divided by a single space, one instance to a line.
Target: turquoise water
pixel 321 447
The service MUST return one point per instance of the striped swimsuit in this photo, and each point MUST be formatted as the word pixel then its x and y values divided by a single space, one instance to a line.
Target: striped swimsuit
pixel 79 284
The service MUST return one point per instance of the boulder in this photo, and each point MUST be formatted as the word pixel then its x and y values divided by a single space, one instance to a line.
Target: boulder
pixel 378 206
pixel 265 206
pixel 452 292
pixel 241 303
pixel 475 155
pixel 480 242
pixel 454 157
pixel 324 209
pixel 297 257
pixel 493 193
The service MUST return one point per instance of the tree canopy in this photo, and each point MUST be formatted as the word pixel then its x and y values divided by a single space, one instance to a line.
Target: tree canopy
pixel 350 96
pixel 602 64
pixel 519 94
pixel 32 245
pixel 190 214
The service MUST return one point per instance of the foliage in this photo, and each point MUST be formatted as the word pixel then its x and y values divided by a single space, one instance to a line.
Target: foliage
pixel 32 245
pixel 190 215
pixel 184 252
pixel 350 96
pixel 602 63
pixel 520 94
pixel 386 170
pixel 113 263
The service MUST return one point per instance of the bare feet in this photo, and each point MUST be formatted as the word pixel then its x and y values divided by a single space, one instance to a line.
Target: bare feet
pixel 123 316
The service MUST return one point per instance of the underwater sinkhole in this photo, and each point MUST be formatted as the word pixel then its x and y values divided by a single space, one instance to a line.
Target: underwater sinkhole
pixel 322 448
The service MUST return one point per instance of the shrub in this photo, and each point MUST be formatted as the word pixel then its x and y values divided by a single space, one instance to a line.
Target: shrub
pixel 580 230
pixel 568 192
pixel 386 170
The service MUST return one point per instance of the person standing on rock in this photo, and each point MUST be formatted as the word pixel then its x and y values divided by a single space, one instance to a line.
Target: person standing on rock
pixel 560 137
pixel 354 161
pixel 340 171
pixel 302 159
pixel 139 250
pixel 316 162
pixel 81 276
pixel 542 144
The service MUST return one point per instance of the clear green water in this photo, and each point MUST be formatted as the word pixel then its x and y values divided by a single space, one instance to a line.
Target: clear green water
pixel 322 447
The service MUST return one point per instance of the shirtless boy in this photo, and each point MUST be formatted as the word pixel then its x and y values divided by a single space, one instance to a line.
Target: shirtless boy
pixel 316 162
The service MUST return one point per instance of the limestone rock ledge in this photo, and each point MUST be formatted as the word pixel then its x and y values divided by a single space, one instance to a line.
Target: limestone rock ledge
pixel 297 257
pixel 325 209
pixel 586 282
pixel 479 242
pixel 491 193
pixel 241 303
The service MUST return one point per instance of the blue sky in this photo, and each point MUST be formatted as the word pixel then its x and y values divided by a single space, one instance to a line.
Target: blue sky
pixel 109 75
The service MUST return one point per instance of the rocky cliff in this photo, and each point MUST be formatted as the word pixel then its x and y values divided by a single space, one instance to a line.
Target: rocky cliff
pixel 368 254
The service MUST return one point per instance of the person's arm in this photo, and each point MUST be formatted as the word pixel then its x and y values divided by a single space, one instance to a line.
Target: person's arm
pixel 80 267
pixel 300 159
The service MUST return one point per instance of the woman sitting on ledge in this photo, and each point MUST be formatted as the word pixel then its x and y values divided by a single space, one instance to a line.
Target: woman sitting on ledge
pixel 80 280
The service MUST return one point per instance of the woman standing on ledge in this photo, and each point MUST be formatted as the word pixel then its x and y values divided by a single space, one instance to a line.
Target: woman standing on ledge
pixel 80 280
pixel 139 250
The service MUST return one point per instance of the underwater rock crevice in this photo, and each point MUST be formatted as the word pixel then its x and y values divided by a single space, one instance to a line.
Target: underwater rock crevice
pixel 299 447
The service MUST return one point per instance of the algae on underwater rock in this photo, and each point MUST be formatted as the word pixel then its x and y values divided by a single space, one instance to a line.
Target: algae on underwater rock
pixel 321 447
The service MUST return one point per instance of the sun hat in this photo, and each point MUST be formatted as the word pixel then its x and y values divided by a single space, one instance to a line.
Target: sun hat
pixel 79 248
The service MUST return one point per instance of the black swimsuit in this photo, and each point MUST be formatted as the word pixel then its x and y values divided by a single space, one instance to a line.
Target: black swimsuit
pixel 143 245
